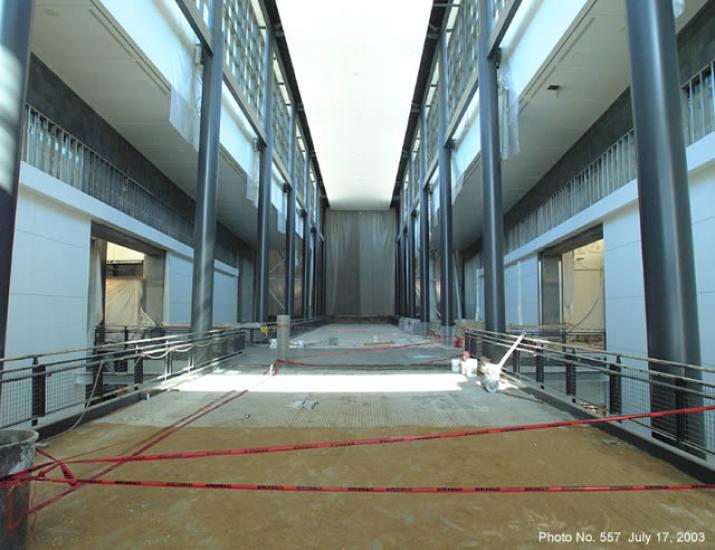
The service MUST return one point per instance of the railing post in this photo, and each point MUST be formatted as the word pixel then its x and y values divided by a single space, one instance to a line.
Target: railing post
pixel 39 391
pixel 516 361
pixel 569 359
pixel 283 336
pixel 97 383
pixel 614 387
pixel 138 371
pixel 539 360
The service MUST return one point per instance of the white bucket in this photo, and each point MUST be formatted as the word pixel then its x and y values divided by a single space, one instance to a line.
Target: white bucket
pixel 456 365
pixel 470 367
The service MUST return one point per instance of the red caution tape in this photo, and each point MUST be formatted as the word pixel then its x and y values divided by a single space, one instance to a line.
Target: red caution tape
pixel 136 457
pixel 145 444
pixel 357 489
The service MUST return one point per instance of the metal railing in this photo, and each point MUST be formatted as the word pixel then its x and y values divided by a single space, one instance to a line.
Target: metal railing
pixel 37 390
pixel 50 148
pixel 607 383
pixel 698 95
pixel 616 166
pixel 612 170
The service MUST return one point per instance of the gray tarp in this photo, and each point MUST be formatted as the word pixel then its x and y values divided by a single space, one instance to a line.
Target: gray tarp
pixel 360 262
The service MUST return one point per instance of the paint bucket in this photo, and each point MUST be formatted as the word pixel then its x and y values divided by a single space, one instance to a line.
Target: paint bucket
pixel 470 367
pixel 456 365
pixel 17 452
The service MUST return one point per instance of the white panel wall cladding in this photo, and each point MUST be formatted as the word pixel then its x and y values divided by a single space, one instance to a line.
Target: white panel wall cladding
pixel 50 269
pixel 521 281
pixel 623 270
pixel 50 277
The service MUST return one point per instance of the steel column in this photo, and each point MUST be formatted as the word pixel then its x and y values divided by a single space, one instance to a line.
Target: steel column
pixel 289 294
pixel 424 223
pixel 411 240
pixel 265 182
pixel 445 190
pixel 15 26
pixel 207 177
pixel 666 230
pixel 493 225
pixel 307 235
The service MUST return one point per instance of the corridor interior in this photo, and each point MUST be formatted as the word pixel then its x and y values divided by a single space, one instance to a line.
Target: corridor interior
pixel 346 382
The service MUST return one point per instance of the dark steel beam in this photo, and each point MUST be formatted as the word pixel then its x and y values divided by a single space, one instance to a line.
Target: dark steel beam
pixel 493 225
pixel 664 205
pixel 265 182
pixel 444 153
pixel 437 20
pixel 410 249
pixel 307 236
pixel 289 297
pixel 501 26
pixel 207 177
pixel 197 24
pixel 15 26
pixel 424 224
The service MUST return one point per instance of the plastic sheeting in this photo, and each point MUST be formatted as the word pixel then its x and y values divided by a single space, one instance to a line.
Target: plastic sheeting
pixel 360 262
pixel 123 302
pixel 94 297
pixel 508 113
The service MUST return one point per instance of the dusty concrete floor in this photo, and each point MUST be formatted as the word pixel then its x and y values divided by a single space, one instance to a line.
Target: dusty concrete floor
pixel 357 404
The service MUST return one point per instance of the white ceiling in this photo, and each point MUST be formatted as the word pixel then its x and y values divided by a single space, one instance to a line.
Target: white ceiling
pixel 356 65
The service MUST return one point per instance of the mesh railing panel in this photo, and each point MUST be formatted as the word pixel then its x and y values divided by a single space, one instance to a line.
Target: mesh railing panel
pixel 607 383
pixel 38 390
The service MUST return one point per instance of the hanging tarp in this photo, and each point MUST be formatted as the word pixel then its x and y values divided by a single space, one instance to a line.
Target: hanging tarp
pixel 360 262
pixel 123 303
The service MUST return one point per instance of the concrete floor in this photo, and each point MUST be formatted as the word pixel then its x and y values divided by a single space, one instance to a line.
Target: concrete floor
pixel 361 393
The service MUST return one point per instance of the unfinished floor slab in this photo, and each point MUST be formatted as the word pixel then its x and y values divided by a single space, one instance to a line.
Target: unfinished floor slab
pixel 300 405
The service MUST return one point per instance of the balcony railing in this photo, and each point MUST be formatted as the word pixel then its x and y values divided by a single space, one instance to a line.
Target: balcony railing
pixel 50 148
pixel 53 150
pixel 616 166
pixel 607 383
pixel 610 171
pixel 699 104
